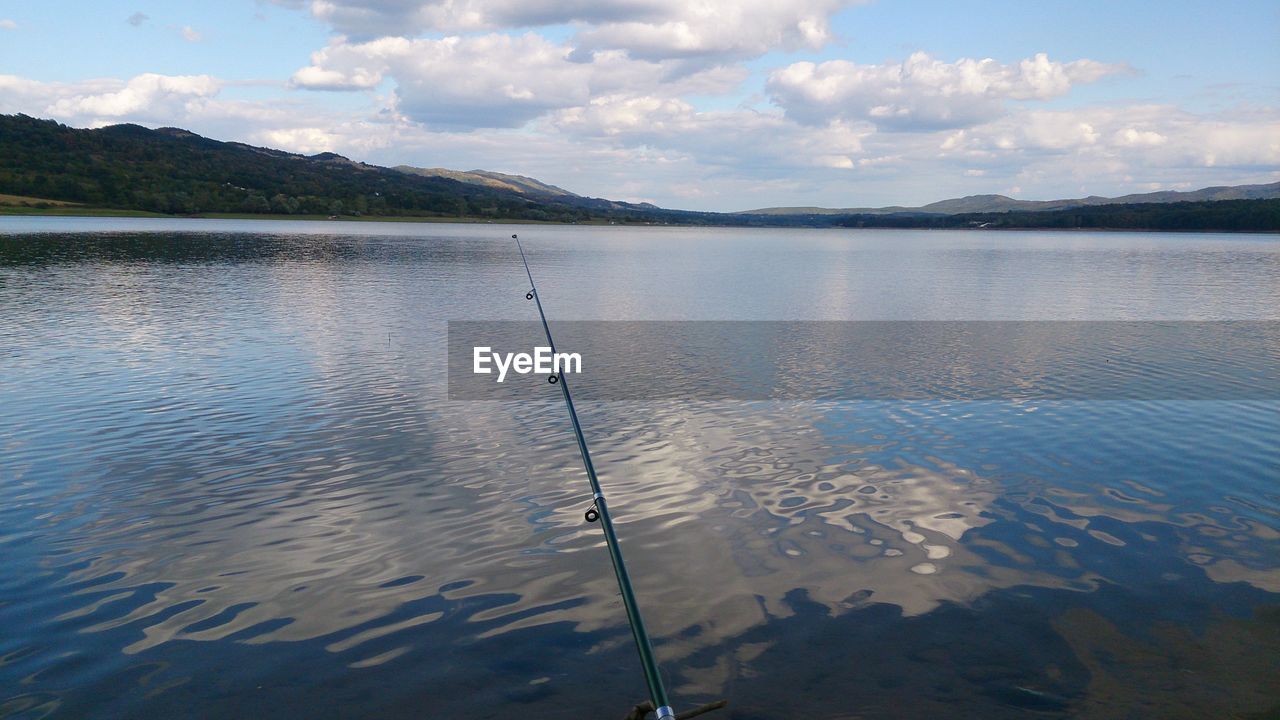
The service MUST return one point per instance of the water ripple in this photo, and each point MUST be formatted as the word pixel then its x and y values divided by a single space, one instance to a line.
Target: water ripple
pixel 227 461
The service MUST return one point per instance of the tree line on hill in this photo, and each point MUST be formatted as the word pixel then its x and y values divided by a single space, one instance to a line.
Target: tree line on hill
pixel 1204 216
pixel 175 172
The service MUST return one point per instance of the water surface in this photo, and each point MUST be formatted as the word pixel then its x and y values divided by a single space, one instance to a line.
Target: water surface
pixel 232 483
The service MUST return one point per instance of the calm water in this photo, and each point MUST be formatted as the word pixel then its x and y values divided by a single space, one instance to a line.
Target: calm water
pixel 232 484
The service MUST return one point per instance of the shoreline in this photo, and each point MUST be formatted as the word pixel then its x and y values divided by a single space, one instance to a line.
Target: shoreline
pixel 73 211
pixel 22 211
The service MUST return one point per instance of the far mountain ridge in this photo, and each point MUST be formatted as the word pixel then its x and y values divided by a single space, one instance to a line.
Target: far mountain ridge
pixel 175 171
pixel 49 168
pixel 1002 203
pixel 488 178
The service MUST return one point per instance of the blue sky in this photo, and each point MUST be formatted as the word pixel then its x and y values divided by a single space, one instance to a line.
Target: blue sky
pixel 703 105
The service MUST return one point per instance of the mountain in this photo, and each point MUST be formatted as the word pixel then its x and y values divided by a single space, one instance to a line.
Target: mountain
pixel 514 183
pixel 1001 203
pixel 174 171
pixel 127 169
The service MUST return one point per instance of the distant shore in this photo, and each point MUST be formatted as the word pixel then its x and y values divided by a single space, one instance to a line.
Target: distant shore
pixel 76 211
pixel 14 206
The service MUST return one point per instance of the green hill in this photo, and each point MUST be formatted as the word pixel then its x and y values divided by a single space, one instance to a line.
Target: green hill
pixel 1183 216
pixel 173 171
pixel 128 169
pixel 487 178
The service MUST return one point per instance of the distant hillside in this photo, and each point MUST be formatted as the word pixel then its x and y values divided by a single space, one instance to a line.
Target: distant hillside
pixel 49 168
pixel 501 181
pixel 173 171
pixel 1180 216
pixel 1001 203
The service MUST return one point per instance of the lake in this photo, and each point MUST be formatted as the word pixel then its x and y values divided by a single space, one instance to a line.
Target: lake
pixel 235 483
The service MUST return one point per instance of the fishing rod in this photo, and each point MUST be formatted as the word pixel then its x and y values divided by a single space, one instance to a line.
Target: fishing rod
pixel 599 511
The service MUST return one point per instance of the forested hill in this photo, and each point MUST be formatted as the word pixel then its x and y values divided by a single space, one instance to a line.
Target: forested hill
pixel 171 171
pixel 177 172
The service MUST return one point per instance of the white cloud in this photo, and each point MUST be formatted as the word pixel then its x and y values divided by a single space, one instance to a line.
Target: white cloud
pixel 318 78
pixel 1234 144
pixel 7 24
pixel 306 140
pixel 23 95
pixel 1153 135
pixel 1052 131
pixel 1115 150
pixel 616 115
pixel 192 102
pixel 605 121
pixel 145 96
pixel 764 143
pixel 484 81
pixel 724 29
pixel 1132 137
pixel 694 164
pixel 497 80
pixel 190 34
pixel 372 18
pixel 625 85
pixel 923 93
pixel 650 29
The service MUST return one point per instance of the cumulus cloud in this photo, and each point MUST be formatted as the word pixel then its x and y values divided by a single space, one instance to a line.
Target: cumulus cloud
pixel 1131 137
pixel 484 81
pixel 306 140
pixel 190 34
pixel 1115 150
pixel 652 29
pixel 923 93
pixel 1148 135
pixel 137 19
pixel 497 80
pixel 7 24
pixel 972 125
pixel 149 95
pixel 193 102
pixel 597 117
pixel 373 18
pixel 1053 131
pixel 614 115
pixel 766 142
pixel 726 29
pixel 23 95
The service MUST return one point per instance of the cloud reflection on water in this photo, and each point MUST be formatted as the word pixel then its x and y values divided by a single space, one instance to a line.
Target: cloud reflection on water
pixel 225 450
